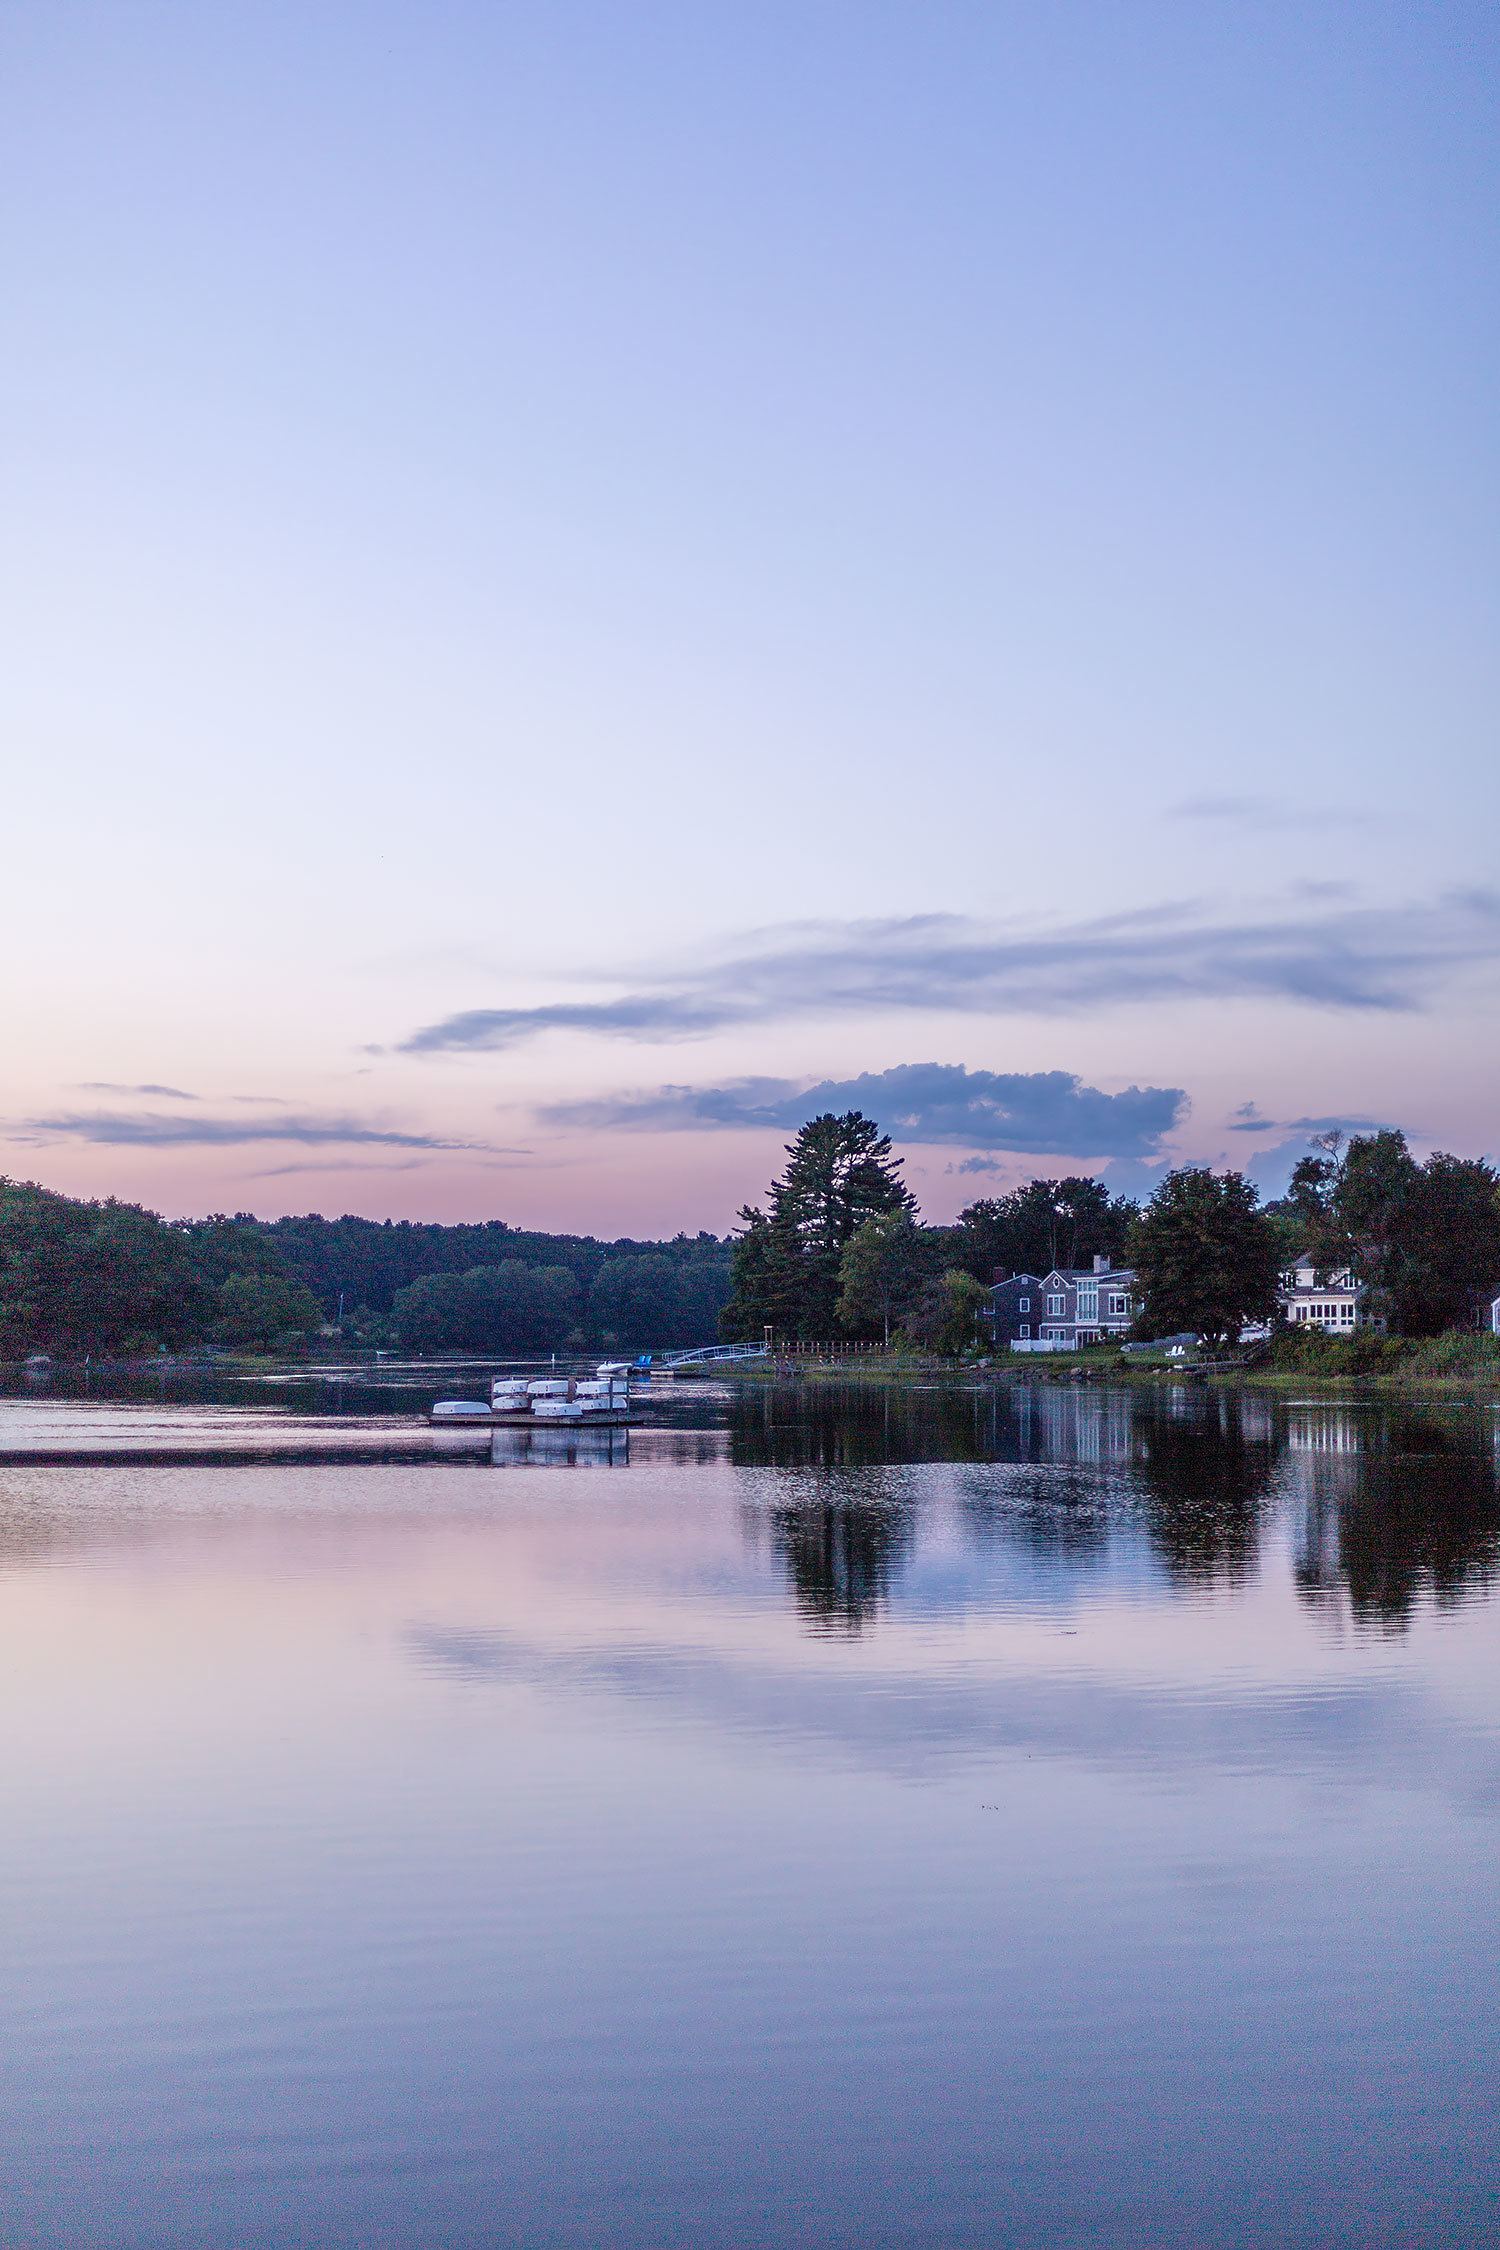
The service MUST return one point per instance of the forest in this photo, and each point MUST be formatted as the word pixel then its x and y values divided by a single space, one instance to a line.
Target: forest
pixel 101 1278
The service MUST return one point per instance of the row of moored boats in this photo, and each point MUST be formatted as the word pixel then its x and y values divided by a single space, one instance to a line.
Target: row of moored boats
pixel 603 1397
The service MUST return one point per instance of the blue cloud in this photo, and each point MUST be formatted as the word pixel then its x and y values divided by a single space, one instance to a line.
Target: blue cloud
pixel 1270 815
pixel 1043 1113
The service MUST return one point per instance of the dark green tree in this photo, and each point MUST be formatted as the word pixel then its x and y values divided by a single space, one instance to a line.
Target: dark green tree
pixel 1204 1256
pixel 263 1310
pixel 1373 1213
pixel 1067 1222
pixel 840 1172
pixel 1421 1238
pixel 945 1314
pixel 878 1273
pixel 1450 1244
pixel 658 1299
pixel 509 1307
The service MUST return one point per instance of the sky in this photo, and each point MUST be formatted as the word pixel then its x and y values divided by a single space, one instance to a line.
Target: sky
pixel 582 582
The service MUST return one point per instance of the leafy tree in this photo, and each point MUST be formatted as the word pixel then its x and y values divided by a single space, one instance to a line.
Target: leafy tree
pixel 509 1307
pixel 786 1262
pixel 878 1272
pixel 263 1309
pixel 1450 1244
pixel 1419 1237
pixel 1373 1210
pixel 429 1316
pixel 762 1279
pixel 635 1301
pixel 89 1277
pixel 1067 1222
pixel 945 1314
pixel 1204 1256
pixel 656 1299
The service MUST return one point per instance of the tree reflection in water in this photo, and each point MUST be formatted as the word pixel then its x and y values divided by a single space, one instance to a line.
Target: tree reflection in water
pixel 1388 1505
pixel 849 1425
pixel 840 1555
pixel 1398 1506
pixel 1204 1479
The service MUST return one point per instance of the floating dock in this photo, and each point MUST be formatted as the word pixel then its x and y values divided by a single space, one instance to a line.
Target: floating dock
pixel 552 1402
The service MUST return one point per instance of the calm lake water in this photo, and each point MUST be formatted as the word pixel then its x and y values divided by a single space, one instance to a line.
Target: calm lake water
pixel 1055 1818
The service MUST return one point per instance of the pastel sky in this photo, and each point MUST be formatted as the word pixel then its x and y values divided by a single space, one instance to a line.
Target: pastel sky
pixel 582 579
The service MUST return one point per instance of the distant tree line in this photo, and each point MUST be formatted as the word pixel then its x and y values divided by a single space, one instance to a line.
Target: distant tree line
pixel 836 1250
pixel 635 1298
pixel 101 1277
pixel 79 1277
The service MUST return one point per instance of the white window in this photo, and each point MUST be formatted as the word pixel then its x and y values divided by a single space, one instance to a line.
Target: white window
pixel 1119 1305
pixel 1056 1306
pixel 1025 1304
pixel 1025 1327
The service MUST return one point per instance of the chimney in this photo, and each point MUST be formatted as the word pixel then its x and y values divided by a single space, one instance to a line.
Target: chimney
pixel 1101 1265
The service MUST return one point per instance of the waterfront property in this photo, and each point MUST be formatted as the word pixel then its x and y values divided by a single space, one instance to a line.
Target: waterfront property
pixel 1063 1309
pixel 1315 1296
pixel 1015 1308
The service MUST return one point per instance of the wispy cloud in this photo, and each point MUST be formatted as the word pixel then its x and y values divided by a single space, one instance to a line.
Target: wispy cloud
pixel 1248 1119
pixel 152 1129
pixel 1325 954
pixel 1044 1112
pixel 1269 815
pixel 109 1086
pixel 363 1164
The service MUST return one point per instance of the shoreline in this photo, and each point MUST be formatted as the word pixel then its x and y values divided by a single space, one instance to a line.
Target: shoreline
pixel 1387 1384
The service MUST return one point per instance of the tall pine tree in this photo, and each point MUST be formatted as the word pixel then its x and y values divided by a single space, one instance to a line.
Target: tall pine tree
pixel 840 1172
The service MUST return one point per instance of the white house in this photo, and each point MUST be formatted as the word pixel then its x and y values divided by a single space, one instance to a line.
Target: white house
pixel 1320 1296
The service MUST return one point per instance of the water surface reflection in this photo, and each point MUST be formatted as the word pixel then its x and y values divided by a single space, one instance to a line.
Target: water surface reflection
pixel 1044 1817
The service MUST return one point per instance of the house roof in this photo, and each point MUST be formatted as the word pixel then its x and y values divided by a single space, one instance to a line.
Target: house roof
pixel 1317 1264
pixel 1075 1274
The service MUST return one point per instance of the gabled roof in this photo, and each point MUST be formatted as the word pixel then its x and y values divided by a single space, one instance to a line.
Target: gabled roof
pixel 1318 1265
pixel 1069 1276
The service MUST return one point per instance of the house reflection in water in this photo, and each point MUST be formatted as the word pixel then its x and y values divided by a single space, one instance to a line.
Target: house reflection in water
pixel 1375 1507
